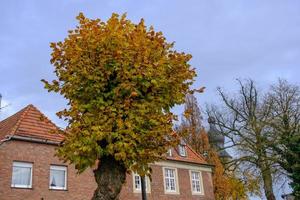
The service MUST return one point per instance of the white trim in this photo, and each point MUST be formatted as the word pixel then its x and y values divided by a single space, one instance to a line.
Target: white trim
pixel 181 165
pixel 147 180
pixel 59 168
pixel 24 165
pixel 169 153
pixel 201 183
pixel 176 181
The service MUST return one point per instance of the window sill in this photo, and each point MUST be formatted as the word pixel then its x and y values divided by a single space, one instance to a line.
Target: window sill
pixel 172 192
pixel 197 194
pixel 20 187
pixel 139 191
pixel 58 189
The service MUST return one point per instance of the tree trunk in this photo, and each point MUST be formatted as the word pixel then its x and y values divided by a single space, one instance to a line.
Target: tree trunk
pixel 268 186
pixel 110 176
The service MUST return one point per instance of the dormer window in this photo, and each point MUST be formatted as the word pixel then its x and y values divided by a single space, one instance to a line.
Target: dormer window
pixel 182 150
pixel 169 153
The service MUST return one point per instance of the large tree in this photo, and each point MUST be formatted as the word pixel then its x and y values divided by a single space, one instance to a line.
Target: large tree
pixel 120 79
pixel 264 130
pixel 244 119
pixel 226 185
pixel 285 123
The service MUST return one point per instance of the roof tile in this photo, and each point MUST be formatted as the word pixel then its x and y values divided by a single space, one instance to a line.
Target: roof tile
pixel 30 122
pixel 191 157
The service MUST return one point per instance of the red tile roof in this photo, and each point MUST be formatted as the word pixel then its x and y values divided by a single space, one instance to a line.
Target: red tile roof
pixel 30 122
pixel 191 157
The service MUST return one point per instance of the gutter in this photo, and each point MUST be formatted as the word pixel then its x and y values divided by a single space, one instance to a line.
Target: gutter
pixel 7 138
pixel 28 139
pixel 195 163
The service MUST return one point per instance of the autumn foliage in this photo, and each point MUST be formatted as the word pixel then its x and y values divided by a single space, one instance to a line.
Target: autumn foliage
pixel 226 185
pixel 120 79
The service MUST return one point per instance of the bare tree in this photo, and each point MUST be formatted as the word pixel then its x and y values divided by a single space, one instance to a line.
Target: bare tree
pixel 285 123
pixel 226 186
pixel 244 120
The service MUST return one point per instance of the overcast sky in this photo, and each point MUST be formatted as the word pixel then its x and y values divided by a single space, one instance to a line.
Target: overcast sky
pixel 228 39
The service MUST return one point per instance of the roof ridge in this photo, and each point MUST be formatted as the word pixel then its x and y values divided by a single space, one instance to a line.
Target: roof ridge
pixel 30 122
pixel 45 117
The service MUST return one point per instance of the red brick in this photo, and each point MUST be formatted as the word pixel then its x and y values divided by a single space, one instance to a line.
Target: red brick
pixel 80 187
pixel 31 123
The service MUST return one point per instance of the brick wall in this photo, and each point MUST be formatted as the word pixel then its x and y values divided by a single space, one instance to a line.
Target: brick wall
pixel 157 187
pixel 80 187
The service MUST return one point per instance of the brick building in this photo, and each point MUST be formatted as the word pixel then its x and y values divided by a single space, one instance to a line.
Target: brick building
pixel 30 171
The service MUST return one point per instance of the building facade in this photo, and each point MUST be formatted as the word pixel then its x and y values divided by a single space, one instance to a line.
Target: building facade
pixel 29 169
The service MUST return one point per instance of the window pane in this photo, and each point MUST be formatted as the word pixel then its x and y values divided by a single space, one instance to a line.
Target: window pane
pixel 169 173
pixel 170 179
pixel 182 150
pixel 169 153
pixel 57 179
pixel 21 176
pixel 198 186
pixel 137 181
pixel 172 173
pixel 196 176
pixel 196 181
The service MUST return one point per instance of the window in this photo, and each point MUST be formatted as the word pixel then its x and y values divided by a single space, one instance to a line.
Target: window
pixel 137 183
pixel 169 153
pixel 58 177
pixel 170 180
pixel 196 182
pixel 22 175
pixel 182 150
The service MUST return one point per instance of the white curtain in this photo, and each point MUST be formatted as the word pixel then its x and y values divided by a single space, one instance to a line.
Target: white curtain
pixel 21 176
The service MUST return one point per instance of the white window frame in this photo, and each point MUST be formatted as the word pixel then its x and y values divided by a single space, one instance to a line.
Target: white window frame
pixel 61 168
pixel 169 153
pixel 147 181
pixel 176 191
pixel 200 182
pixel 25 165
pixel 182 150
